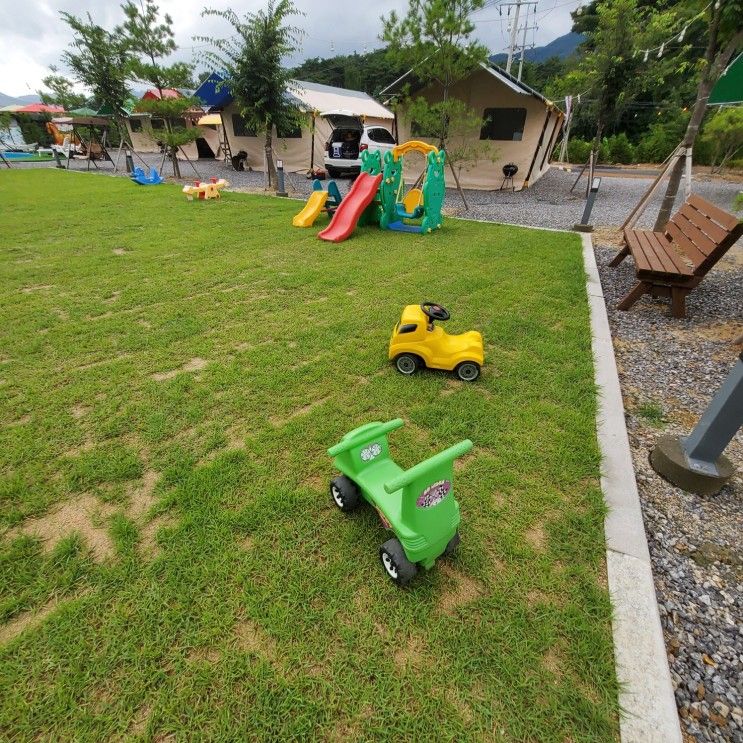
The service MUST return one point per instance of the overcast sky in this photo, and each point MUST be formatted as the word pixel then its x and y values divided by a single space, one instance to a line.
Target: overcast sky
pixel 32 37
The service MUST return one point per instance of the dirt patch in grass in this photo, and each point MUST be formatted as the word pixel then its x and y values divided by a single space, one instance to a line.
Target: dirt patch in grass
pixel 449 388
pixel 139 721
pixel 536 537
pixel 553 662
pixel 148 546
pixel 247 543
pixel 409 655
pixel 36 288
pixel 315 482
pixel 195 364
pixel 26 620
pixel 463 591
pixel 84 514
pixel 203 655
pixel 304 410
pixel 461 463
pixel 252 639
pixel 79 411
pixel 142 497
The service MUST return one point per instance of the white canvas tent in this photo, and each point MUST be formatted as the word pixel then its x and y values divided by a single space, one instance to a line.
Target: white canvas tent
pixel 303 147
pixel 519 126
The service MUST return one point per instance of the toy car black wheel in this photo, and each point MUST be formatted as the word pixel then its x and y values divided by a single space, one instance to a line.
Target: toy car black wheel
pixel 345 493
pixel 395 563
pixel 407 364
pixel 467 371
pixel 451 547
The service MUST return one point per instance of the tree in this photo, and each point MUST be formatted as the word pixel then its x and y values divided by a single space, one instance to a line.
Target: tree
pixel 725 133
pixel 609 67
pixel 434 41
pixel 251 61
pixel 98 60
pixel 61 91
pixel 724 38
pixel 150 42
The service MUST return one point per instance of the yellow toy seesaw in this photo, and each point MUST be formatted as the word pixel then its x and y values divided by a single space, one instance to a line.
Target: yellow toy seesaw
pixel 203 190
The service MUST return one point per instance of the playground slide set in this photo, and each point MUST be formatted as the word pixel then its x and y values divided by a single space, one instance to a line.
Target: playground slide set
pixel 376 196
pixel 319 201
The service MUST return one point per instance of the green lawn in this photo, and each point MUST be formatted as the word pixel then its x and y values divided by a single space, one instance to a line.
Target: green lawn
pixel 171 375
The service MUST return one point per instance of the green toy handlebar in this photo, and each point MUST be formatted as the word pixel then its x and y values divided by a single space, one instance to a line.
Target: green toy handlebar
pixel 399 482
pixel 363 434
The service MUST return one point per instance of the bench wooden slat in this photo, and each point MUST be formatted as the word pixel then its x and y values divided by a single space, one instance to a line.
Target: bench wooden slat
pixel 660 252
pixel 685 245
pixel 705 225
pixel 704 243
pixel 656 254
pixel 728 221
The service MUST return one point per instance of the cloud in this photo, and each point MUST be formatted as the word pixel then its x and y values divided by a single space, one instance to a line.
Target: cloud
pixel 36 36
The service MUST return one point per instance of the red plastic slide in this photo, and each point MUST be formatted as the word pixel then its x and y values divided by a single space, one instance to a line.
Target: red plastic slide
pixel 351 208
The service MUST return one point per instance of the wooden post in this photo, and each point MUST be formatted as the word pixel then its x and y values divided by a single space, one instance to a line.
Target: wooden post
pixel 456 180
pixel 637 212
pixel 189 162
pixel 312 145
pixel 688 171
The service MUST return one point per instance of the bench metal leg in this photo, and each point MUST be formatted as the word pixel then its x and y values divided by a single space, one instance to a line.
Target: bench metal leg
pixel 619 257
pixel 678 301
pixel 634 294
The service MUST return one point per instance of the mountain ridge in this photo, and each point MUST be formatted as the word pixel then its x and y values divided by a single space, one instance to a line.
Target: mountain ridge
pixel 562 47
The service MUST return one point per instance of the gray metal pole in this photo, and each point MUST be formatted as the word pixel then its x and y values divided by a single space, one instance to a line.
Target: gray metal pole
pixel 718 424
pixel 696 462
pixel 583 225
pixel 280 189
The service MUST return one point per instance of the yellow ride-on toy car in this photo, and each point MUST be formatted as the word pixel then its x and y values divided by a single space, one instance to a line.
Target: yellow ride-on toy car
pixel 417 342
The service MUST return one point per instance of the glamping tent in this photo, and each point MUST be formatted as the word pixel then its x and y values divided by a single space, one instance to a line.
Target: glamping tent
pixel 519 127
pixel 301 148
pixel 145 130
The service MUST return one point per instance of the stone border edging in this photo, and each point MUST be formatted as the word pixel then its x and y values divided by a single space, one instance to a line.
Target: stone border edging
pixel 646 696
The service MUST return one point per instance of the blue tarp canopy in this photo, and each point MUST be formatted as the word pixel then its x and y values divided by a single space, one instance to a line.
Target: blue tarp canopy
pixel 211 95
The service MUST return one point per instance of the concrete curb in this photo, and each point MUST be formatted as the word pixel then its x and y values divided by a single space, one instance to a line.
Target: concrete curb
pixel 646 694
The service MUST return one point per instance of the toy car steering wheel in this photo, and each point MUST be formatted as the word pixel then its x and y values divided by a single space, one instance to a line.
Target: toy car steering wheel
pixel 435 311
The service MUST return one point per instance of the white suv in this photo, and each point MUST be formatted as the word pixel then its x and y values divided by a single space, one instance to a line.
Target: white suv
pixel 349 138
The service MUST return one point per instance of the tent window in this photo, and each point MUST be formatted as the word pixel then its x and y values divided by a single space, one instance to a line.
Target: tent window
pixel 503 124
pixel 291 132
pixel 157 124
pixel 135 125
pixel 240 128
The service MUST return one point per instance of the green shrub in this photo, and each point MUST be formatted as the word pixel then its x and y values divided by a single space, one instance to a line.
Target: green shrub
pixel 620 149
pixel 578 151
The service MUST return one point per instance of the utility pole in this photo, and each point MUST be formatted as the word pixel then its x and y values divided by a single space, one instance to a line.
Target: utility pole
pixel 514 31
pixel 513 47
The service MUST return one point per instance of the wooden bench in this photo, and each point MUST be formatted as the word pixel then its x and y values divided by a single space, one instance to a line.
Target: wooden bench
pixel 672 262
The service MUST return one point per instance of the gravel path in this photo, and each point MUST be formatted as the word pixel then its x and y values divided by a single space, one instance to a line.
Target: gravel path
pixel 669 369
pixel 548 203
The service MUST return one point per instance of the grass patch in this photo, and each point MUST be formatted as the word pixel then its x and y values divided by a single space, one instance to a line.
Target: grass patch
pixel 652 413
pixel 173 373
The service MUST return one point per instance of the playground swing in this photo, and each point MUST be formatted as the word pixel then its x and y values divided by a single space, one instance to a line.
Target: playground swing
pixel 411 205
pixel 423 201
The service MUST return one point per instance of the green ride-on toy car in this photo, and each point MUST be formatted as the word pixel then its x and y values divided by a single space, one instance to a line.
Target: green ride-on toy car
pixel 418 504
